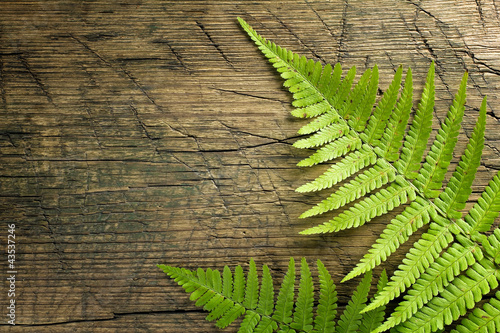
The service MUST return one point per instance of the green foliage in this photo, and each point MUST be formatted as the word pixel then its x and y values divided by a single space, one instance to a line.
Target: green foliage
pixel 380 165
pixel 234 295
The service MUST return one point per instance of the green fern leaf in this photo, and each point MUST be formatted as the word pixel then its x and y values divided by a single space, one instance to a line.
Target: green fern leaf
pixel 491 246
pixel 416 139
pixel 377 204
pixel 342 170
pixel 261 316
pixel 375 177
pixel 266 297
pixel 396 233
pixel 351 317
pixel 372 319
pixel 325 135
pixel 417 260
pixel 341 96
pixel 352 103
pixel 303 315
pixel 377 123
pixel 483 320
pixel 436 295
pixel 364 109
pixel 284 304
pixel 327 307
pixel 456 259
pixel 252 287
pixel 462 294
pixel 431 176
pixel 453 199
pixel 392 139
pixel 333 150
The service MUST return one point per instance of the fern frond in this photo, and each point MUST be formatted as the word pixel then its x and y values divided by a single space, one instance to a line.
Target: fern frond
pixel 392 139
pixel 484 320
pixel 333 150
pixel 417 260
pixel 303 315
pixel 420 129
pixel 377 204
pixel 341 95
pixel 430 178
pixel 396 233
pixel 327 307
pixel 453 302
pixel 372 319
pixel 377 123
pixel 351 317
pixel 456 259
pixel 364 109
pixel 342 170
pixel 346 126
pixel 453 199
pixel 375 177
pixel 209 290
pixel 491 246
pixel 284 303
pixel 354 101
pixel 252 287
pixel 325 135
pixel 326 119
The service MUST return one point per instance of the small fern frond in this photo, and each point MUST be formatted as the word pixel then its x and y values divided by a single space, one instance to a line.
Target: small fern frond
pixel 392 139
pixel 252 287
pixel 397 232
pixel 372 178
pixel 487 208
pixel 325 135
pixel 420 129
pixel 351 105
pixel 453 302
pixel 351 317
pixel 266 296
pixel 284 303
pixel 334 149
pixel 430 178
pixel 456 259
pixel 327 305
pixel 376 205
pixel 375 128
pixel 260 314
pixel 374 318
pixel 303 315
pixel 364 108
pixel 338 172
pixel 455 195
pixel 482 320
pixel 417 260
pixel 491 246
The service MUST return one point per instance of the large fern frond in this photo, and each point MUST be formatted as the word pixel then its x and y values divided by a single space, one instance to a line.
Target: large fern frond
pixel 369 142
pixel 233 295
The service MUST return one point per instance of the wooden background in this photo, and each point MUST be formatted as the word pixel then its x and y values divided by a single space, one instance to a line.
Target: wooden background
pixel 135 133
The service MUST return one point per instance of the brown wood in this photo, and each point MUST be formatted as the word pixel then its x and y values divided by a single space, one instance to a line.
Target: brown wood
pixel 142 132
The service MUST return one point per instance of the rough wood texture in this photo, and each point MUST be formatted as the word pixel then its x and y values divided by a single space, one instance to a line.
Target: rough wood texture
pixel 144 132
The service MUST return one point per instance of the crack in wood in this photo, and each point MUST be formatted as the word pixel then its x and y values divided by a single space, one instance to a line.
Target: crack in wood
pixel 214 44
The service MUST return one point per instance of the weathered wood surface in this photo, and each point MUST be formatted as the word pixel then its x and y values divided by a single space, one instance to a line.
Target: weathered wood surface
pixel 144 132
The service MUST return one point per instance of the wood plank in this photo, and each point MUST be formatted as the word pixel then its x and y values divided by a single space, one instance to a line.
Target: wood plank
pixel 145 132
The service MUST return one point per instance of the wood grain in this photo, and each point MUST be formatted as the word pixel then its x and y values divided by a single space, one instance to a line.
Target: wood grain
pixel 144 132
